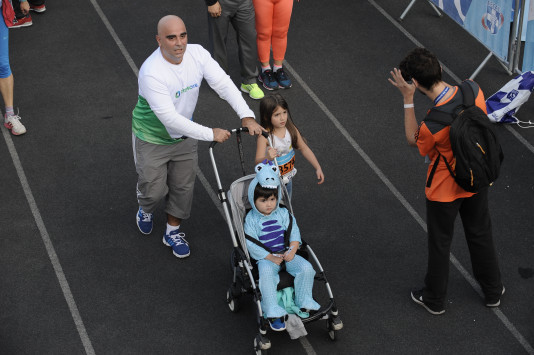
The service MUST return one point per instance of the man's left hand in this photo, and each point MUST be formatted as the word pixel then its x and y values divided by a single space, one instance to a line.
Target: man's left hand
pixel 253 127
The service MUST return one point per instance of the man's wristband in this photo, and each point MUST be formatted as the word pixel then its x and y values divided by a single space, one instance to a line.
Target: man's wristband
pixel 408 106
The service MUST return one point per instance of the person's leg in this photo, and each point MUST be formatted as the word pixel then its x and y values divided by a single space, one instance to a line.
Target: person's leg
pixel 6 76
pixel 282 16
pixel 268 282
pixel 476 221
pixel 245 27
pixel 264 29
pixel 304 274
pixel 181 176
pixel 151 166
pixel 218 33
pixel 440 226
pixel 11 119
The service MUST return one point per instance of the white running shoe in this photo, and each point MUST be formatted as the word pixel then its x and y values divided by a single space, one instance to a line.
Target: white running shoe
pixel 13 123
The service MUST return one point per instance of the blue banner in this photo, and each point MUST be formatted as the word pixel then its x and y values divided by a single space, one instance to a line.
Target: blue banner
pixel 528 57
pixel 487 20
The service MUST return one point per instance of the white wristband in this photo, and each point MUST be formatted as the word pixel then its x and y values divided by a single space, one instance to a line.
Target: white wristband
pixel 408 106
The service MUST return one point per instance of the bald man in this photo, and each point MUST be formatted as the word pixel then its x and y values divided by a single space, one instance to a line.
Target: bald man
pixel 165 135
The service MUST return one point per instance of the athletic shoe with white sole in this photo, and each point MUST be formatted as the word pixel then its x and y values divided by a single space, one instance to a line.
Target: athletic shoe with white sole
pixel 417 297
pixel 38 8
pixel 253 90
pixel 492 302
pixel 144 221
pixel 176 240
pixel 13 123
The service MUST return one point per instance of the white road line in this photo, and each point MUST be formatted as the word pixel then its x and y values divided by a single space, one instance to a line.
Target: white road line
pixel 48 245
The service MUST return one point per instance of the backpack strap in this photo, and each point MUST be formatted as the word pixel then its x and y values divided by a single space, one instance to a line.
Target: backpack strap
pixel 431 175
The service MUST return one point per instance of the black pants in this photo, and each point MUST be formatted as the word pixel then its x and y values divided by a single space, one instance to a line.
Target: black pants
pixel 476 221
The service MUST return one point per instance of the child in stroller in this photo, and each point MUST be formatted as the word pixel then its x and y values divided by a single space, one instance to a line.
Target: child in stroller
pixel 245 277
pixel 267 228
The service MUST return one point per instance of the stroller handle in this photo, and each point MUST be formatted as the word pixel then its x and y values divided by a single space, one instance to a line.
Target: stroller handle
pixel 240 129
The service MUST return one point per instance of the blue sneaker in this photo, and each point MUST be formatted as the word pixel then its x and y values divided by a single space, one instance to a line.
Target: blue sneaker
pixel 268 80
pixel 144 221
pixel 277 324
pixel 176 240
pixel 282 79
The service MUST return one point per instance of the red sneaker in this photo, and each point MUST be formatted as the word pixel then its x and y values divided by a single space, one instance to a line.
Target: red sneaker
pixel 38 8
pixel 22 22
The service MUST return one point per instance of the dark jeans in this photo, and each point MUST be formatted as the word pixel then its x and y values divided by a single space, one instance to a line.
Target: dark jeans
pixel 16 6
pixel 476 221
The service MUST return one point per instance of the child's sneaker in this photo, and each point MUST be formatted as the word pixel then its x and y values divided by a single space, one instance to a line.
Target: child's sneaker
pixel 268 80
pixel 13 123
pixel 38 8
pixel 22 22
pixel 253 90
pixel 283 80
pixel 277 324
pixel 495 302
pixel 176 240
pixel 144 221
pixel 417 297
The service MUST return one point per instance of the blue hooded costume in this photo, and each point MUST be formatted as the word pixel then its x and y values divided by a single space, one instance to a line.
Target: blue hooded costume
pixel 269 230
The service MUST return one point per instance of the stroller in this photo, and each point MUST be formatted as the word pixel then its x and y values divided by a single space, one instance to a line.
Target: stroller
pixel 245 273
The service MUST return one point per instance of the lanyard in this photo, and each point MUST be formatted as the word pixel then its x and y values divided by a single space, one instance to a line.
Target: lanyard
pixel 440 96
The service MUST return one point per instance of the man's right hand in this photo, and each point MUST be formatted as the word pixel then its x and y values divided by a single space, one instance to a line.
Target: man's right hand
pixel 215 10
pixel 220 135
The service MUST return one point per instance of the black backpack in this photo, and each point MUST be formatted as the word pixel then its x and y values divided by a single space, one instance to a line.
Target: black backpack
pixel 474 144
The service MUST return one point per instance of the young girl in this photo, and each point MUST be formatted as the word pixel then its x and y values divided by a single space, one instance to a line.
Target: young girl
pixel 272 25
pixel 285 136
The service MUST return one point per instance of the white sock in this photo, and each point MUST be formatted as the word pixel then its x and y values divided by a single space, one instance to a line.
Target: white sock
pixel 276 67
pixel 171 228
pixel 265 68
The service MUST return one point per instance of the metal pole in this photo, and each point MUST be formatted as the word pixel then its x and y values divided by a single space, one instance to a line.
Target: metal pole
pixel 406 10
pixel 519 33
pixel 512 47
pixel 481 66
pixel 435 8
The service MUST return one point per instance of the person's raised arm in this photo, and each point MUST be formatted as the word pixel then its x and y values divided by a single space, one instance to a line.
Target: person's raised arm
pixel 407 90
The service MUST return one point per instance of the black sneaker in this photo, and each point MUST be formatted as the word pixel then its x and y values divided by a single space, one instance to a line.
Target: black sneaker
pixel 417 297
pixel 283 80
pixel 495 302
pixel 268 80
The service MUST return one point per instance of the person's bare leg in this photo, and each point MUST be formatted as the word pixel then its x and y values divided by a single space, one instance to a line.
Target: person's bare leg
pixel 173 221
pixel 6 88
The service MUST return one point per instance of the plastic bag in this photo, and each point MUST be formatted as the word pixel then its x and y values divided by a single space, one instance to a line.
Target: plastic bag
pixel 504 104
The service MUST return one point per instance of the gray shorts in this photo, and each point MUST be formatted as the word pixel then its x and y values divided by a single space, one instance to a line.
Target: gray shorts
pixel 166 171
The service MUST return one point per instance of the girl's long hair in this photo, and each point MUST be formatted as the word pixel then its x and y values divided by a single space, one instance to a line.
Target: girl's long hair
pixel 267 106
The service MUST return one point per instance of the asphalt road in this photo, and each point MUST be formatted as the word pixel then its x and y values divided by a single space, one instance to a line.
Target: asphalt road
pixel 77 276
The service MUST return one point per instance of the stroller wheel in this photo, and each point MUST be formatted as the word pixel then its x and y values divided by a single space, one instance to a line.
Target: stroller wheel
pixel 332 334
pixel 233 303
pixel 333 325
pixel 261 344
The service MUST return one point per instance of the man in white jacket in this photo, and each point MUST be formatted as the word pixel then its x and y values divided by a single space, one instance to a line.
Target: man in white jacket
pixel 164 133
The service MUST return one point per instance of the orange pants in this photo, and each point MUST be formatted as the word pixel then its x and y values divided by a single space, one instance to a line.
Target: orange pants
pixel 272 24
